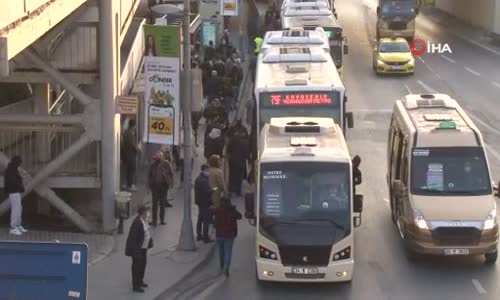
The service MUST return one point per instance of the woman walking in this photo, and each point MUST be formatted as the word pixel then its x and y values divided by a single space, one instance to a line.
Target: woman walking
pixel 226 230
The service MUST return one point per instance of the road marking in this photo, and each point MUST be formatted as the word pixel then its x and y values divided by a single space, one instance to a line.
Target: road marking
pixel 386 200
pixel 408 89
pixel 421 59
pixel 496 84
pixel 448 59
pixel 472 71
pixel 493 152
pixel 488 126
pixel 481 45
pixel 426 87
pixel 478 286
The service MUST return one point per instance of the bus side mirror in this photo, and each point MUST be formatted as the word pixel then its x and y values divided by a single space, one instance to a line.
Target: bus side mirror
pixel 358 204
pixel 378 10
pixel 250 208
pixel 358 208
pixel 495 190
pixel 350 120
pixel 346 49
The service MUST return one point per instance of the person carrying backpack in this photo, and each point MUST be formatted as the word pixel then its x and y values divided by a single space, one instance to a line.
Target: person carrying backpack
pixel 160 179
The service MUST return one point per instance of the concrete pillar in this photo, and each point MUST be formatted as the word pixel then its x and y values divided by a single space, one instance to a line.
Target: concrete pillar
pixel 41 105
pixel 110 122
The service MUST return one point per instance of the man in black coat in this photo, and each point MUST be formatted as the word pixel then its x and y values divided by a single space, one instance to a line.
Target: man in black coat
pixel 14 187
pixel 238 152
pixel 138 242
pixel 203 199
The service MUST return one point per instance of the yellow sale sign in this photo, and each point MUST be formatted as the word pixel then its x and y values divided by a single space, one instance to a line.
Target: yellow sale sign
pixel 161 125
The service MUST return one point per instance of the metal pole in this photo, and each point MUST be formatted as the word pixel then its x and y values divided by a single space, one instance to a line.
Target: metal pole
pixel 186 239
pixel 109 63
pixel 240 12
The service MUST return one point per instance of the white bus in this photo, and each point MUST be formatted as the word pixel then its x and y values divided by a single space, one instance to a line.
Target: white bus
pixel 296 37
pixel 312 17
pixel 298 82
pixel 305 211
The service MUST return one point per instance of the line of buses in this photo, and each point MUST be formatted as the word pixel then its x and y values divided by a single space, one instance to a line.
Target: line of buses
pixel 305 206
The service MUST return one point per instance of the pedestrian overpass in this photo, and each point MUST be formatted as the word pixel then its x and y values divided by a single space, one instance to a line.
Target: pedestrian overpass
pixel 75 57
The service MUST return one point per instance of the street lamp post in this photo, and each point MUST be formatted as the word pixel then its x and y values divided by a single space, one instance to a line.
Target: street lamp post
pixel 186 239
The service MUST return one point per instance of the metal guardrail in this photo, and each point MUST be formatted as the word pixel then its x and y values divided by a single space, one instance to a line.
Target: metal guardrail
pixel 39 144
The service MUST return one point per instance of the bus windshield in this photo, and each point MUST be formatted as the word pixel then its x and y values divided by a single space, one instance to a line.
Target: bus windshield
pixel 311 192
pixel 450 171
pixel 299 104
pixel 405 9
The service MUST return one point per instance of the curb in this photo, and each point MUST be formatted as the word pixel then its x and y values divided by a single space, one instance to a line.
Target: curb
pixel 107 252
pixel 170 291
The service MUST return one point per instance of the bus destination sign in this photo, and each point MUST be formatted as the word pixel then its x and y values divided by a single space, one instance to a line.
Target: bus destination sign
pixel 298 99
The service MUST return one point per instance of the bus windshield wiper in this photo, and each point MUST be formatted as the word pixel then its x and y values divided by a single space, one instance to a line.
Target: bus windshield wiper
pixel 332 222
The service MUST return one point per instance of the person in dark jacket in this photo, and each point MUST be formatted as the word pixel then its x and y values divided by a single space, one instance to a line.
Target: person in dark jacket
pixel 138 242
pixel 14 187
pixel 130 150
pixel 210 51
pixel 356 173
pixel 159 180
pixel 238 154
pixel 226 230
pixel 203 199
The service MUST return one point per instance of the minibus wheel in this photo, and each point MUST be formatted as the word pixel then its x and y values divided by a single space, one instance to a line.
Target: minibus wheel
pixel 491 258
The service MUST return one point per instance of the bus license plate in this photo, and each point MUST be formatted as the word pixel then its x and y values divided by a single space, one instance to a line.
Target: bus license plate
pixel 456 251
pixel 305 270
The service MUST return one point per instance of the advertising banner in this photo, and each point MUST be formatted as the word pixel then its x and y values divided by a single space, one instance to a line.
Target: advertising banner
pixel 229 8
pixel 162 85
pixel 209 32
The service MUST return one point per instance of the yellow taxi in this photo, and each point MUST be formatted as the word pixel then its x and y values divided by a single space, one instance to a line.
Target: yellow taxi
pixel 393 55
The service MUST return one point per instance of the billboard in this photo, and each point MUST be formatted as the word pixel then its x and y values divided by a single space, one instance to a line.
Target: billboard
pixel 42 270
pixel 162 84
pixel 229 8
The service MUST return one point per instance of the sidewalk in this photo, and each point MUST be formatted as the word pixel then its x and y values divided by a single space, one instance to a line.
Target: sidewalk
pixel 460 28
pixel 111 278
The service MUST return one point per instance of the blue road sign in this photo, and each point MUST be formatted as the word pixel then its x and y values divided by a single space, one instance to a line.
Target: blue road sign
pixel 31 270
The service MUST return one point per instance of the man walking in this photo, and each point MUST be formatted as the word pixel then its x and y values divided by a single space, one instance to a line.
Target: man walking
pixel 14 187
pixel 129 155
pixel 138 242
pixel 226 230
pixel 238 154
pixel 160 179
pixel 202 198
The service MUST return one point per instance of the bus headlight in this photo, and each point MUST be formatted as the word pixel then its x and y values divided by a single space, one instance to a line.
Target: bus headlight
pixel 342 254
pixel 267 254
pixel 419 220
pixel 491 221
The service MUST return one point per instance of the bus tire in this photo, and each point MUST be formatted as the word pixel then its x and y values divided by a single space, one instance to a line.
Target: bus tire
pixel 491 258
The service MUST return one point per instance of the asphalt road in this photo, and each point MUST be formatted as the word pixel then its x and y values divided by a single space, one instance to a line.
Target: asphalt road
pixel 382 271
